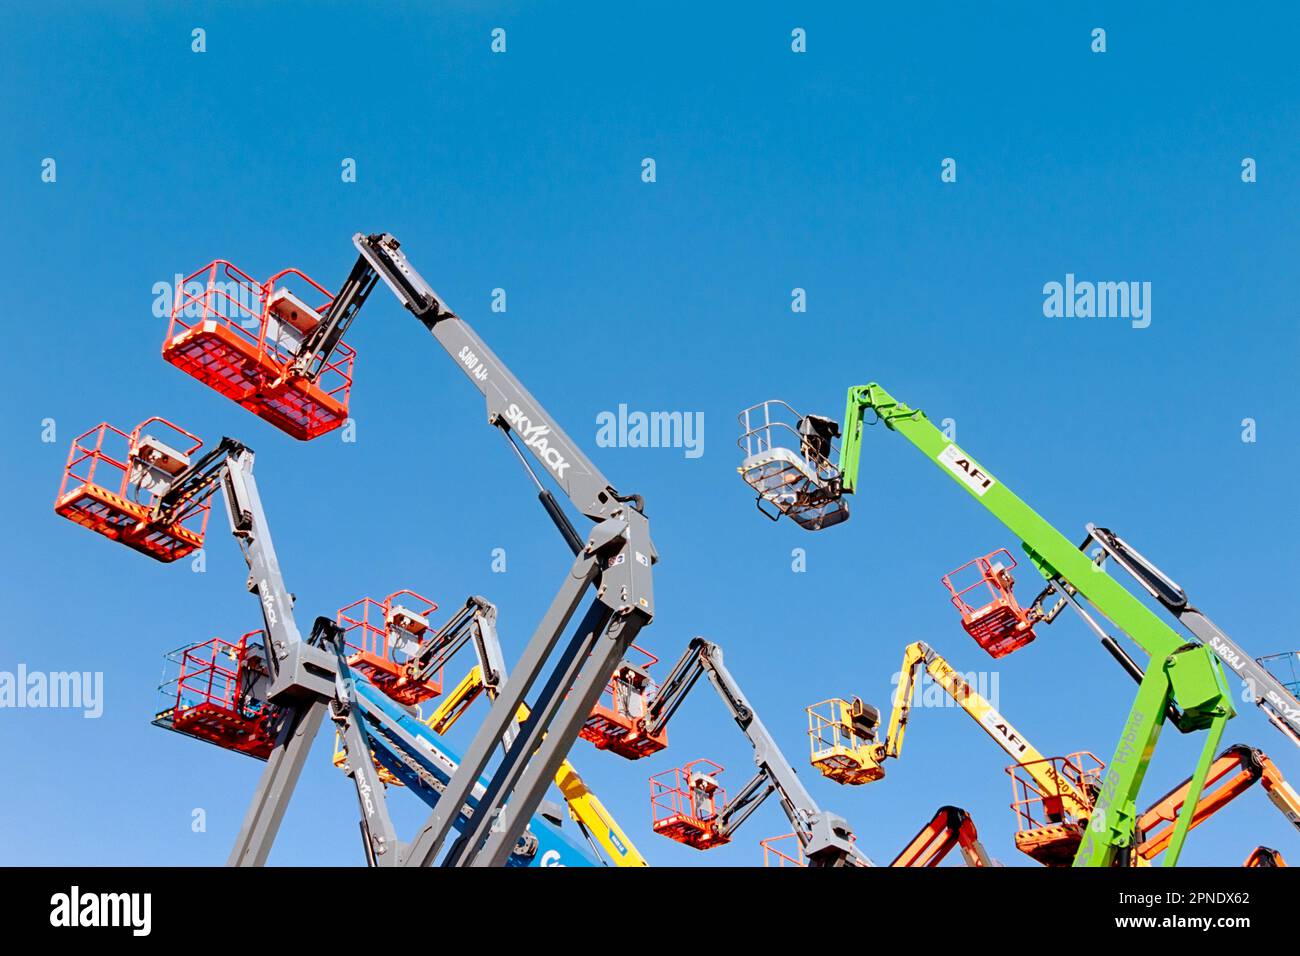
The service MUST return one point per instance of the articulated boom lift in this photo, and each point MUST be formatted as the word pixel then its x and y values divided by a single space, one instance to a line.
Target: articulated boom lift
pixel 1234 771
pixel 1184 681
pixel 475 624
pixel 614 561
pixel 267 694
pixel 689 805
pixel 273 701
pixel 845 749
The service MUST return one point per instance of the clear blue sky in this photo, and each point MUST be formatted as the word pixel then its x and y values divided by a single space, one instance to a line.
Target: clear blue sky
pixel 775 171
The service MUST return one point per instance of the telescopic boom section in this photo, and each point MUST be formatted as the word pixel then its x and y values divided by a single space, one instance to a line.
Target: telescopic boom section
pixel 614 560
pixel 510 406
pixel 1278 702
pixel 826 838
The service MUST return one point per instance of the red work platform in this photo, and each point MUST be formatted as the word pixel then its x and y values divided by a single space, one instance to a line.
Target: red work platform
pixel 616 721
pixel 240 337
pixel 216 697
pixel 1000 625
pixel 685 802
pixel 113 478
pixel 382 637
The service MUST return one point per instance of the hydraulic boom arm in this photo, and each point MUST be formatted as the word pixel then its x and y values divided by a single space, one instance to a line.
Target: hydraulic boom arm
pixel 1044 772
pixel 614 561
pixel 826 839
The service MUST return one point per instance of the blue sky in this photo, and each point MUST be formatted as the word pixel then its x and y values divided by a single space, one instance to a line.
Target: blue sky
pixel 774 171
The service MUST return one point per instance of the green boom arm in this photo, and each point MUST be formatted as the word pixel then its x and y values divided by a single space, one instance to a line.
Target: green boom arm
pixel 1186 674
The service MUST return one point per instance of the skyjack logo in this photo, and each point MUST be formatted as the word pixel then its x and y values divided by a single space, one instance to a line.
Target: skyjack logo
pixel 964 467
pixel 367 797
pixel 74 909
pixel 534 437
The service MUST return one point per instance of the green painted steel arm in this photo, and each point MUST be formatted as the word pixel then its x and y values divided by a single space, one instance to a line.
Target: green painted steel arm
pixel 1047 547
pixel 1179 671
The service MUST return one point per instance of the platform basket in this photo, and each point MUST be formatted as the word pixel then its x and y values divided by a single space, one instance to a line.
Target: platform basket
pixel 999 625
pixel 113 478
pixel 1286 668
pixel 837 749
pixel 788 470
pixel 216 695
pixel 240 337
pixel 1046 829
pixel 783 850
pixel 381 637
pixel 616 722
pixel 685 802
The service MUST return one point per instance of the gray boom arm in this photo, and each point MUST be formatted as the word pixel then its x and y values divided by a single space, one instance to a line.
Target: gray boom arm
pixel 614 560
pixel 827 839
pixel 1281 708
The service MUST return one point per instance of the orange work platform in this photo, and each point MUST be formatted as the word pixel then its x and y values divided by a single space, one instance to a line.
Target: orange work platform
pixel 616 722
pixel 240 337
pixel 383 637
pixel 1000 625
pixel 685 803
pixel 215 695
pixel 1045 829
pixel 113 479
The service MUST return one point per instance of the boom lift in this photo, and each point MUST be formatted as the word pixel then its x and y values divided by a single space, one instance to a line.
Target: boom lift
pixel 1234 771
pixel 688 803
pixel 614 561
pixel 1184 682
pixel 844 748
pixel 476 623
pixel 163 492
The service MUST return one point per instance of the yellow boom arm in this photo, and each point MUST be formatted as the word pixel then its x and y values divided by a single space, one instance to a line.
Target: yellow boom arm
pixel 1042 770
